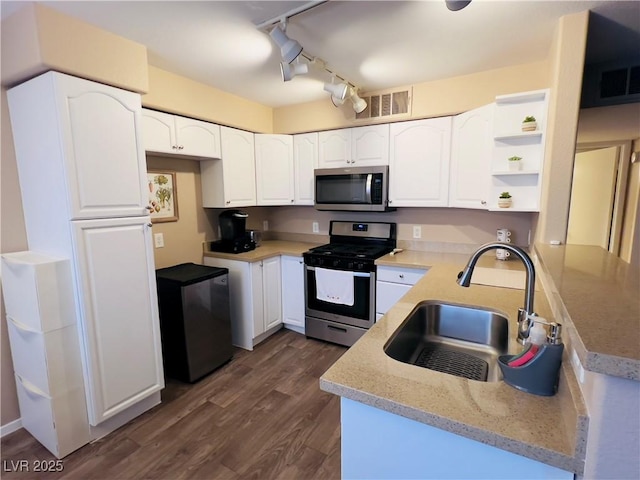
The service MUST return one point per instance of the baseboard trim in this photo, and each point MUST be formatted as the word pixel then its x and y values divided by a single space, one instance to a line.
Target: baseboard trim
pixel 10 427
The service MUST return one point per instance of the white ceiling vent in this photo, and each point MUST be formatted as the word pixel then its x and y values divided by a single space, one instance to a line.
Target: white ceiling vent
pixel 386 104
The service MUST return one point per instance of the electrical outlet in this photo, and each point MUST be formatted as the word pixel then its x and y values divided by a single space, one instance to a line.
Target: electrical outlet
pixel 417 231
pixel 158 240
pixel 265 225
pixel 315 227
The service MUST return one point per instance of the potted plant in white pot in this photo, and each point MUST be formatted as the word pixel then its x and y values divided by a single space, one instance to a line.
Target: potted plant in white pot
pixel 529 124
pixel 504 200
pixel 514 163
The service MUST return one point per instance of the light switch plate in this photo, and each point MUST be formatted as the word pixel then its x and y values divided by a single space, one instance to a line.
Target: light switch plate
pixel 417 231
pixel 265 225
pixel 158 240
pixel 315 227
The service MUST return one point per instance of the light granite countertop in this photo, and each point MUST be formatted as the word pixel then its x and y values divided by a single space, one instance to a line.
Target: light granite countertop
pixel 268 248
pixel 551 430
pixel 599 299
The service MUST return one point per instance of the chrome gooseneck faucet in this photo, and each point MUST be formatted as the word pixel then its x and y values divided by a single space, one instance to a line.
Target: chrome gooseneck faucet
pixel 464 280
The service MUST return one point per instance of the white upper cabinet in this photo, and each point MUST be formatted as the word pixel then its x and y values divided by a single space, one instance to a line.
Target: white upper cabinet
pixel 171 134
pixel 354 147
pixel 231 181
pixel 274 169
pixel 419 163
pixel 370 145
pixel 471 153
pixel 100 161
pixel 334 148
pixel 305 160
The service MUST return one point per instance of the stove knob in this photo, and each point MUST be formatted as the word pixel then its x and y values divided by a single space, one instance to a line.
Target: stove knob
pixel 350 265
pixel 336 263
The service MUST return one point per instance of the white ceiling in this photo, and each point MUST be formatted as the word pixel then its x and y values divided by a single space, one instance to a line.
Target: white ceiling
pixel 373 44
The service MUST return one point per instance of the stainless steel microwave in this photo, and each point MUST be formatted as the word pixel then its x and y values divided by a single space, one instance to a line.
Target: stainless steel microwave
pixel 363 189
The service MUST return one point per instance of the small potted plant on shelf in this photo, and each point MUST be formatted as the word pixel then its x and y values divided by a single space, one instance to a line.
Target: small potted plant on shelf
pixel 504 200
pixel 529 124
pixel 514 163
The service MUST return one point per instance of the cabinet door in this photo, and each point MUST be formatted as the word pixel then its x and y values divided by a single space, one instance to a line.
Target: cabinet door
pixel 196 138
pixel 293 291
pixel 119 310
pixel 334 148
pixel 274 169
pixel 471 153
pixel 272 288
pixel 158 132
pixel 370 145
pixel 238 165
pixel 419 163
pixel 305 160
pixel 106 166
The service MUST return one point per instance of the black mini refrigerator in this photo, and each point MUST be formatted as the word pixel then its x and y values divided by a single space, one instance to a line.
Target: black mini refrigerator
pixel 195 322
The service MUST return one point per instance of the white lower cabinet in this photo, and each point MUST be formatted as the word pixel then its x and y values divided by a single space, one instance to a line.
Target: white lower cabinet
pixel 254 297
pixel 116 277
pixel 293 292
pixel 391 285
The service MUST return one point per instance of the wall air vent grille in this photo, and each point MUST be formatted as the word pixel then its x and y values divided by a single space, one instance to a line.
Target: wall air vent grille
pixel 386 104
pixel 611 84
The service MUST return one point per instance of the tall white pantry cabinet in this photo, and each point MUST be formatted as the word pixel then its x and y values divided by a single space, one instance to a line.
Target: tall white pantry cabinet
pixel 82 175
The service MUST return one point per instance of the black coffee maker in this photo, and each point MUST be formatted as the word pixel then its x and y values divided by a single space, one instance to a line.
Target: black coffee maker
pixel 233 233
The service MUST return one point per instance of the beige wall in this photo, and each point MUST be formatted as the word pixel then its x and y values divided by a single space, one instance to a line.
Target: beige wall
pixel 13 238
pixel 175 94
pixel 430 99
pixel 451 229
pixel 49 40
pixel 603 124
pixel 567 63
pixel 183 239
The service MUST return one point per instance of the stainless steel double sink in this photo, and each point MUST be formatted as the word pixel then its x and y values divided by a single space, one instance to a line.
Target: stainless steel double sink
pixel 454 339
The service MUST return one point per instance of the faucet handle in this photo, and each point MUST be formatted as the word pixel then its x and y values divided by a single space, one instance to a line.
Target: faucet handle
pixel 554 336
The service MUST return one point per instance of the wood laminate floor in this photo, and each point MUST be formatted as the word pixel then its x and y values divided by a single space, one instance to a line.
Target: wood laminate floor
pixel 260 416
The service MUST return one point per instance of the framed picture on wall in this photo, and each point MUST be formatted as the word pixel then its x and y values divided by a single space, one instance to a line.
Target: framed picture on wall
pixel 163 198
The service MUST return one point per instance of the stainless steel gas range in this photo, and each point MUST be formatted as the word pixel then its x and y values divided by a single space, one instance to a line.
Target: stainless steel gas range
pixel 340 280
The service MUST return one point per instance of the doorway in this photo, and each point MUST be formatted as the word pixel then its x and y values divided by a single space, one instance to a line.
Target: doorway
pixel 598 193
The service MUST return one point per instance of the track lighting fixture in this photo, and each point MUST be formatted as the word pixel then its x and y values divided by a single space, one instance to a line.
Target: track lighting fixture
pixel 337 90
pixel 289 71
pixel 289 48
pixel 359 104
pixel 455 5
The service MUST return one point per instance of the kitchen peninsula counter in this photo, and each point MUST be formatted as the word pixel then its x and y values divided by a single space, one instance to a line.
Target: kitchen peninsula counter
pixel 550 430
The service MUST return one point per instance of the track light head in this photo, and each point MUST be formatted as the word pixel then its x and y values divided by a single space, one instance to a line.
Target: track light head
pixel 359 104
pixel 455 5
pixel 289 71
pixel 338 90
pixel 289 48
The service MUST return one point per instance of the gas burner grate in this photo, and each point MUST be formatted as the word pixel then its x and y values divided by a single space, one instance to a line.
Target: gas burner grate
pixel 442 359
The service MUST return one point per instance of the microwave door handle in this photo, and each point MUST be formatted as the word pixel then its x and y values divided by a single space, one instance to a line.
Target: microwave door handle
pixel 367 190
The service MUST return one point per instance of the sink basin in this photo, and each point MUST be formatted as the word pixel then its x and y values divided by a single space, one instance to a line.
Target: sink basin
pixel 454 339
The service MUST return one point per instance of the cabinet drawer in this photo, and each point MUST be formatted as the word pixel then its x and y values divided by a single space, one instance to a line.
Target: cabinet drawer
pixel 387 294
pixel 50 361
pixel 58 422
pixel 38 290
pixel 407 276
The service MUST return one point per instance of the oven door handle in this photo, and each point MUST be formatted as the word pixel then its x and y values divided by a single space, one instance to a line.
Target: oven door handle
pixel 355 274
